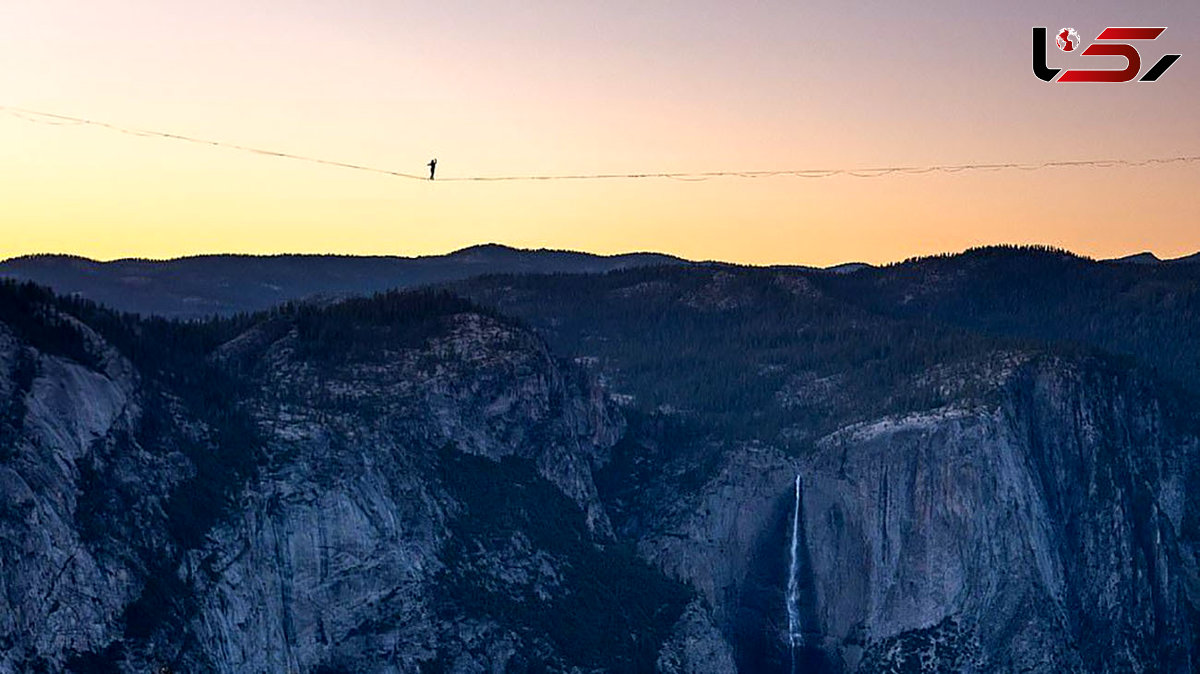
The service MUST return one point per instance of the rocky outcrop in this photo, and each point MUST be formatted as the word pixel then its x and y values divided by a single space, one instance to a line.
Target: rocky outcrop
pixel 421 499
pixel 335 555
pixel 1045 526
pixel 1025 530
pixel 62 589
pixel 696 646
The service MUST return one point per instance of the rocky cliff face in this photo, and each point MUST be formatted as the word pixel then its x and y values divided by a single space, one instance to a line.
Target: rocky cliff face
pixel 68 572
pixel 422 500
pixel 334 556
pixel 1045 527
pixel 1047 533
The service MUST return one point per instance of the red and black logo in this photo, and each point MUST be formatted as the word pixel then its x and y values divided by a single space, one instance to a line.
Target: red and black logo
pixel 1110 42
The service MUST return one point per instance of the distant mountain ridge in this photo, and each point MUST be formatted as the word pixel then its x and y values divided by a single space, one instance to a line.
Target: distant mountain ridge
pixel 193 287
pixel 226 284
pixel 1147 257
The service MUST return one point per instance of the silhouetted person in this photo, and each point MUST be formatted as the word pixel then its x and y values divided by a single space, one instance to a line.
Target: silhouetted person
pixel 432 167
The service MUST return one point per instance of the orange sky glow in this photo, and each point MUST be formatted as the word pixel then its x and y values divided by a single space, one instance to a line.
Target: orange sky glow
pixel 540 87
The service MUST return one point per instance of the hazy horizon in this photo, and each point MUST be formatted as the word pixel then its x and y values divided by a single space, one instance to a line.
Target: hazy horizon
pixel 484 244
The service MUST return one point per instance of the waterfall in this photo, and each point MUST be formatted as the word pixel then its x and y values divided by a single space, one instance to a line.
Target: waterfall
pixel 793 581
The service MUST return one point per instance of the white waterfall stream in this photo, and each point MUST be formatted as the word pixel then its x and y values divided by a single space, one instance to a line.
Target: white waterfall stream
pixel 793 580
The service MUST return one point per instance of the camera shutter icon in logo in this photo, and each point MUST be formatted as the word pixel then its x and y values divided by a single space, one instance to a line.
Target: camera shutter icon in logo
pixel 1067 39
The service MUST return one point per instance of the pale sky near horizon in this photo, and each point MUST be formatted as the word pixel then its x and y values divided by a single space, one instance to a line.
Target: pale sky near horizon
pixel 542 87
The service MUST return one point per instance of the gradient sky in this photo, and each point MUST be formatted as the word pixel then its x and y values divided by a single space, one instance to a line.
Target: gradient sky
pixel 543 87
